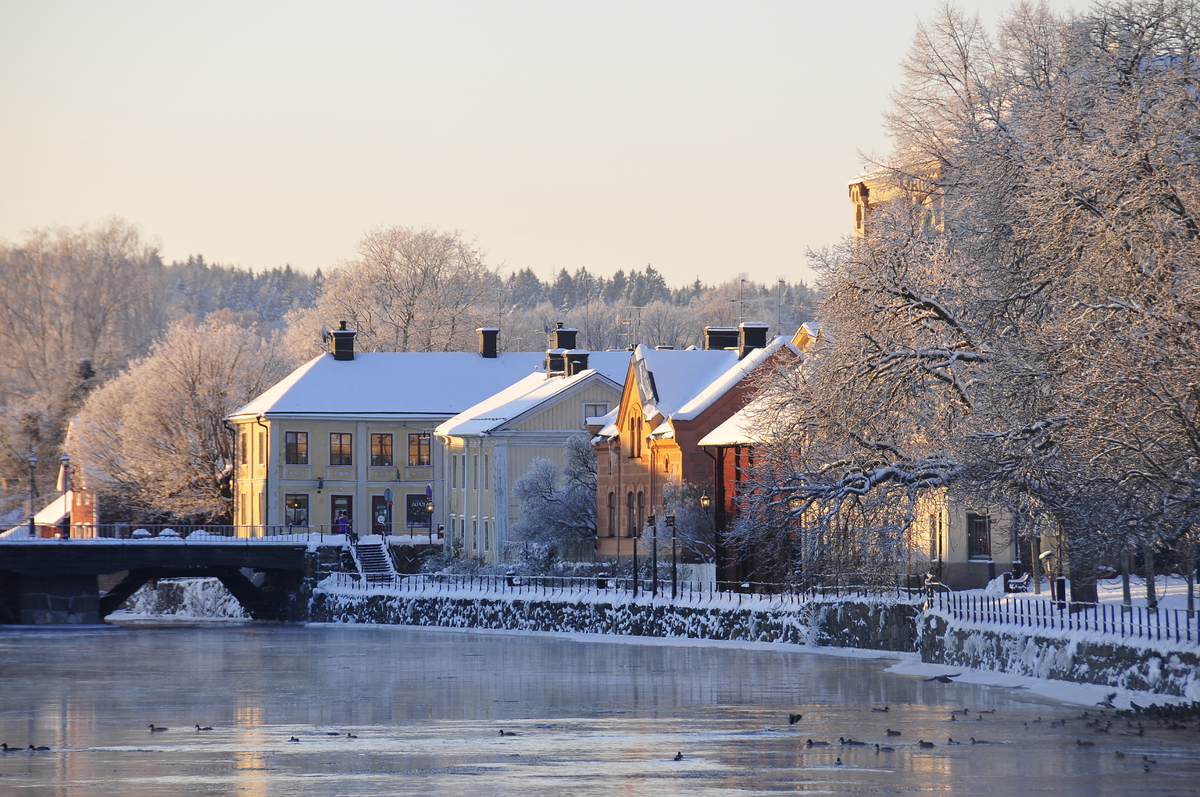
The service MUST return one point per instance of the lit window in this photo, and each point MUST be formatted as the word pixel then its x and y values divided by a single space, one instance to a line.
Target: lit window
pixel 295 510
pixel 381 451
pixel 341 449
pixel 979 538
pixel 295 448
pixel 418 449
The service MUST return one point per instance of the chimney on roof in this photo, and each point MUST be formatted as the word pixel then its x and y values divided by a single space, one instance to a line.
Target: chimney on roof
pixel 577 362
pixel 563 338
pixel 343 342
pixel 720 338
pixel 489 342
pixel 751 335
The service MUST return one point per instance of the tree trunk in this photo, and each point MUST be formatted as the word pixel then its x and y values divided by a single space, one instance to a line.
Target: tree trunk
pixel 1126 598
pixel 1151 599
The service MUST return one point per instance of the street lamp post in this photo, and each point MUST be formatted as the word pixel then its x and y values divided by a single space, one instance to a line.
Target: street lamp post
pixel 32 465
pixel 674 566
pixel 633 533
pixel 705 503
pixel 654 556
pixel 429 510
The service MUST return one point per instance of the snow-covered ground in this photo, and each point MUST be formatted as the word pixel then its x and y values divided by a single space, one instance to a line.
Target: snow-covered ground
pixel 1171 591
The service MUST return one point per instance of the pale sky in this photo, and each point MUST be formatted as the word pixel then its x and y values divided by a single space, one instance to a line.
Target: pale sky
pixel 706 139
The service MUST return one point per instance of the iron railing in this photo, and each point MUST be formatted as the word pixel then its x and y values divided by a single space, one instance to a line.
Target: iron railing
pixel 1130 622
pixel 134 531
pixel 547 586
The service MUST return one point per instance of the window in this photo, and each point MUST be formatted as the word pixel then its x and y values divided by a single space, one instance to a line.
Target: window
pixel 381 451
pixel 474 534
pixel 632 438
pixel 464 471
pixel 632 528
pixel 340 449
pixel 295 448
pixel 418 449
pixel 485 471
pixel 244 445
pixel 594 411
pixel 641 517
pixel 474 471
pixel 453 472
pixel 262 447
pixel 612 514
pixel 295 510
pixel 979 538
pixel 487 540
pixel 242 507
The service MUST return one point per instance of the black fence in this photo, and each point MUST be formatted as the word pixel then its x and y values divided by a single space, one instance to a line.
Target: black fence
pixel 1134 622
pixel 136 531
pixel 545 586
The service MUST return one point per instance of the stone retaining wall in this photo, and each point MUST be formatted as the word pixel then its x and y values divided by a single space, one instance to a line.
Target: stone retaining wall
pixel 878 626
pixel 1076 659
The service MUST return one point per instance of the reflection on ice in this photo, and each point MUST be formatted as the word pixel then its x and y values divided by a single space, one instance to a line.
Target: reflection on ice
pixel 578 716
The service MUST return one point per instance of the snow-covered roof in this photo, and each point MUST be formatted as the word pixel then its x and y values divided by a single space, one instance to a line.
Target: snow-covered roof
pixel 53 512
pixel 681 385
pixel 721 385
pixel 530 393
pixel 392 383
pixel 737 430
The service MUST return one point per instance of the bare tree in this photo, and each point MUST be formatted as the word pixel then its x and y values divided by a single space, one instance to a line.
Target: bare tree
pixel 408 290
pixel 152 442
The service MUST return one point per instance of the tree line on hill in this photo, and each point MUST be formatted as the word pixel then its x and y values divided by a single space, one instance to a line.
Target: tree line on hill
pixel 147 357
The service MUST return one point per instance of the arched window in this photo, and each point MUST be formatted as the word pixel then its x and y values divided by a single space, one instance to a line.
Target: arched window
pixel 612 514
pixel 632 519
pixel 639 438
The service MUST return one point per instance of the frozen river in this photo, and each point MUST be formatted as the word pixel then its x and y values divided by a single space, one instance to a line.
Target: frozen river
pixel 585 717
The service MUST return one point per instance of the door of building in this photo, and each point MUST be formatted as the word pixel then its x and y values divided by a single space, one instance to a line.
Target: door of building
pixel 337 505
pixel 380 522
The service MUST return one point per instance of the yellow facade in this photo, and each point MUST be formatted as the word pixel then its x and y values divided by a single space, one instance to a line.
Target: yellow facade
pixel 309 490
pixel 479 470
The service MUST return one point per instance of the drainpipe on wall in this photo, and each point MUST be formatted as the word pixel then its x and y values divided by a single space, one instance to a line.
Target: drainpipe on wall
pixel 266 472
pixel 233 471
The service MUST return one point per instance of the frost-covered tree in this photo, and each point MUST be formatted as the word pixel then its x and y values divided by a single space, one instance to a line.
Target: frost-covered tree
pixel 558 506
pixel 152 442
pixel 408 290
pixel 695 531
pixel 1021 318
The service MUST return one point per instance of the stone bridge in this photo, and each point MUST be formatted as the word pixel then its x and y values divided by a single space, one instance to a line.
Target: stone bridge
pixel 58 581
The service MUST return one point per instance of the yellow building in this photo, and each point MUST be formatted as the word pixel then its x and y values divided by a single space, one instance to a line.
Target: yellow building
pixel 338 432
pixel 492 444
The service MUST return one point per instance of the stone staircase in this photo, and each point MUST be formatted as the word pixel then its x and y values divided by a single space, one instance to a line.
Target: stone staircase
pixel 374 562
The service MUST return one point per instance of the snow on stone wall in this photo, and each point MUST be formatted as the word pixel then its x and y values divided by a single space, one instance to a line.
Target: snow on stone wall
pixel 879 624
pixel 185 597
pixel 1076 656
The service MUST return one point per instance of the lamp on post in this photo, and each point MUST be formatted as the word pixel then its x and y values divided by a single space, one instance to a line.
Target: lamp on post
pixel 429 510
pixel 705 501
pixel 633 532
pixel 32 465
pixel 654 556
pixel 674 566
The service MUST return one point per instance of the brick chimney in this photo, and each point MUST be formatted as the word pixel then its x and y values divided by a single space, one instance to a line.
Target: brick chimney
pixel 577 362
pixel 489 342
pixel 720 338
pixel 563 338
pixel 343 342
pixel 751 335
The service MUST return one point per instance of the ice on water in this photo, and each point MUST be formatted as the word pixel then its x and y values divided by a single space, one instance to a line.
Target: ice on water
pixel 580 716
